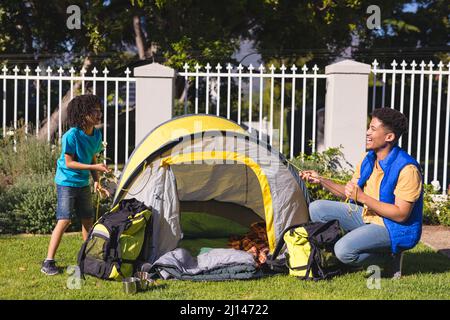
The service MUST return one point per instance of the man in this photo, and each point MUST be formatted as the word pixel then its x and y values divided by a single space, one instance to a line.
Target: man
pixel 388 185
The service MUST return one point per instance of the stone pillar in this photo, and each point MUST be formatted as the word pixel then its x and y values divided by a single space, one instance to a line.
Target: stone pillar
pixel 155 85
pixel 346 108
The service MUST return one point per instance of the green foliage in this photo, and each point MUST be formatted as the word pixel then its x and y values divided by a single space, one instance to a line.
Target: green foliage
pixel 29 205
pixel 435 212
pixel 36 208
pixel 29 155
pixel 325 28
pixel 27 197
pixel 443 213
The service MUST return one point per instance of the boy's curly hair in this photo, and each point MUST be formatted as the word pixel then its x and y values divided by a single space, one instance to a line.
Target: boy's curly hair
pixel 393 120
pixel 79 107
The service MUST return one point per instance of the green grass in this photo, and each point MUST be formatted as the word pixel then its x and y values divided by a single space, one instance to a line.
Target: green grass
pixel 426 275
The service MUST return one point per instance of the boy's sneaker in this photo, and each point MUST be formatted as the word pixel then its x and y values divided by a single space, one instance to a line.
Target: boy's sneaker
pixel 49 267
pixel 393 268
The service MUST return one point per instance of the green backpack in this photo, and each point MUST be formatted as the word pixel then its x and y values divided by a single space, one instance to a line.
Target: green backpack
pixel 310 250
pixel 116 240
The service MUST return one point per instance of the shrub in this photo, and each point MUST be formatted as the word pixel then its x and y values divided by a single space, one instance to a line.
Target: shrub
pixel 435 212
pixel 443 213
pixel 30 205
pixel 29 155
pixel 429 213
pixel 35 212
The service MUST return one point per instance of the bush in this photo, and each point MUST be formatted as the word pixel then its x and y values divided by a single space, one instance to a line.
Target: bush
pixel 435 212
pixel 30 205
pixel 29 155
pixel 35 212
pixel 443 213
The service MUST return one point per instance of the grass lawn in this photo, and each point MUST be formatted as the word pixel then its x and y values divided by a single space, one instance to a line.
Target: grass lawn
pixel 426 276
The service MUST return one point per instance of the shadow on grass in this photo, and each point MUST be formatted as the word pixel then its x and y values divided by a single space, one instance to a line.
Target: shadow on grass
pixel 425 262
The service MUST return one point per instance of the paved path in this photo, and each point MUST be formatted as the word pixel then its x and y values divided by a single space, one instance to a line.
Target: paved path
pixel 437 238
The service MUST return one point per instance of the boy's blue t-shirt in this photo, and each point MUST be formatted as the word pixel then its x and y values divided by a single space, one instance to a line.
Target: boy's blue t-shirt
pixel 83 148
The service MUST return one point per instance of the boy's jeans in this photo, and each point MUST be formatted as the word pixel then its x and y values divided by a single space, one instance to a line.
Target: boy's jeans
pixel 364 244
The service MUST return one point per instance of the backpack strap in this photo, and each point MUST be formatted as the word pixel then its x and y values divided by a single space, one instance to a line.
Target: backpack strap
pixel 81 256
pixel 117 251
pixel 281 242
pixel 82 252
pixel 310 263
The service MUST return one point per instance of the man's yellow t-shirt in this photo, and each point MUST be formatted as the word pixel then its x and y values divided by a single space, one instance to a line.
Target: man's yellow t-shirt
pixel 409 187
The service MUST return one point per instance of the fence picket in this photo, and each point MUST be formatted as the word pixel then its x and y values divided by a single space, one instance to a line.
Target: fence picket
pixel 293 69
pixel 27 71
pixel 427 143
pixel 261 89
pixel 4 70
pixel 411 102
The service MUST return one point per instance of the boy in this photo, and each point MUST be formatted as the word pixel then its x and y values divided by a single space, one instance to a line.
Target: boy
pixel 80 144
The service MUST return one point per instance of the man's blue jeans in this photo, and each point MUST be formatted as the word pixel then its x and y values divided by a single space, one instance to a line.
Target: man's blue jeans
pixel 364 244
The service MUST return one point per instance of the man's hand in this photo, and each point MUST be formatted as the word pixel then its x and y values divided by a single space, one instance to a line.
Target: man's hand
pixel 310 176
pixel 353 191
pixel 100 167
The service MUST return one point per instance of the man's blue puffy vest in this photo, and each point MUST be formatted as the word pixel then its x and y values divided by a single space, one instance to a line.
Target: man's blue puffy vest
pixel 403 235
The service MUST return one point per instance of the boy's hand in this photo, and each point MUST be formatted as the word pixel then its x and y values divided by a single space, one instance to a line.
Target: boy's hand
pixel 100 167
pixel 101 191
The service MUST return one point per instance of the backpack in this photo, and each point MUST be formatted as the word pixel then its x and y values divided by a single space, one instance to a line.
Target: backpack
pixel 116 240
pixel 310 250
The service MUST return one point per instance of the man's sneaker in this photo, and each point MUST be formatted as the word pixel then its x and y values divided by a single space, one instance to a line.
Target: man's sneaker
pixel 393 268
pixel 49 267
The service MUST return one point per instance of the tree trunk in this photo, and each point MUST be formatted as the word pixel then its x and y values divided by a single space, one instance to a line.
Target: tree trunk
pixel 138 36
pixel 54 118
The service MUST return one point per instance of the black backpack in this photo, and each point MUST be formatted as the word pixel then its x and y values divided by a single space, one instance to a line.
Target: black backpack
pixel 317 239
pixel 116 241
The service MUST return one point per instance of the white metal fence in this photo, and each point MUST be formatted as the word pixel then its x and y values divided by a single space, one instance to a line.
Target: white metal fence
pixel 55 87
pixel 403 87
pixel 248 86
pixel 271 102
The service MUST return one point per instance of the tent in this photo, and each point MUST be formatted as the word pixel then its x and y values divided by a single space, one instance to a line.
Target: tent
pixel 205 163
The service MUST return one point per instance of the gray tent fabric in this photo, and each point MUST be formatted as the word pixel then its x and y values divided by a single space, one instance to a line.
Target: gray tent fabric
pixel 214 265
pixel 157 188
pixel 220 182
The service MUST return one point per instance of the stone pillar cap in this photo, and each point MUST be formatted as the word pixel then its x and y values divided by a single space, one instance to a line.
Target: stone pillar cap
pixel 154 70
pixel 348 67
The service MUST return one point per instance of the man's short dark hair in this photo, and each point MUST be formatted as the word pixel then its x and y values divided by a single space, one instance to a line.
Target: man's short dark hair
pixel 393 120
pixel 79 107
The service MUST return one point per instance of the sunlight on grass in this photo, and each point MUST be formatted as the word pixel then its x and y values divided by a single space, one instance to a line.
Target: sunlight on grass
pixel 426 275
